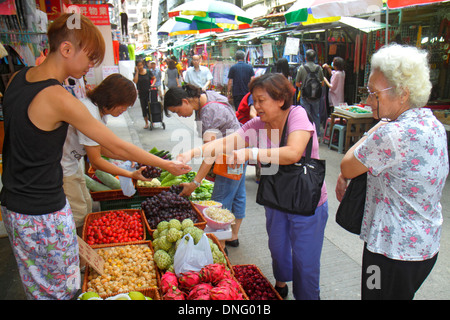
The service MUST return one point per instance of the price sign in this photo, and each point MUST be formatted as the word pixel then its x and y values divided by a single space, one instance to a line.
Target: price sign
pixel 90 256
pixel 291 47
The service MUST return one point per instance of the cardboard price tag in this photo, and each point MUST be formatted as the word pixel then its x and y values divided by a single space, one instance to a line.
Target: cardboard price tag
pixel 90 256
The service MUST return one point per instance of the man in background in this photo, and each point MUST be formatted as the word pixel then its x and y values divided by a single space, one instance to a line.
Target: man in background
pixel 239 77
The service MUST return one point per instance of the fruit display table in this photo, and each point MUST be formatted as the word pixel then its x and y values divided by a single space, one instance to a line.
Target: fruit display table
pixel 356 126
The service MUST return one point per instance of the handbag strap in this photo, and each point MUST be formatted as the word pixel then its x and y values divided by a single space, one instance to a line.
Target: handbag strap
pixel 308 147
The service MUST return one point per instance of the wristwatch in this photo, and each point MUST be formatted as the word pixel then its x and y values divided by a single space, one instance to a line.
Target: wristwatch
pixel 197 184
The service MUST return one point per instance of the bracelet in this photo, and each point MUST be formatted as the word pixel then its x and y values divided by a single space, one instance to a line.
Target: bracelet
pixel 201 152
pixel 197 184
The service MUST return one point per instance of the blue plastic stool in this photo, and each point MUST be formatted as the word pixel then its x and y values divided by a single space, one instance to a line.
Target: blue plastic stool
pixel 341 131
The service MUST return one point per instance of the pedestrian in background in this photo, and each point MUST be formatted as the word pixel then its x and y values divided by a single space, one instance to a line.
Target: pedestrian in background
pixel 336 84
pixel 143 79
pixel 172 77
pixel 239 77
pixel 157 74
pixel 406 159
pixel 311 104
pixel 198 75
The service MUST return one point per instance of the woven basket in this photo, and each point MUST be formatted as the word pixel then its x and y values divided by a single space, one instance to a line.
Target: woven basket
pixel 277 295
pixel 95 215
pixel 103 296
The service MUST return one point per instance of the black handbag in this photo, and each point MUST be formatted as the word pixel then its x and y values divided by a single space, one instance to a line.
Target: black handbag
pixel 295 188
pixel 351 209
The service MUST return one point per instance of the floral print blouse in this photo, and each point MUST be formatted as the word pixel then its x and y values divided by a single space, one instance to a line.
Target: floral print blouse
pixel 408 165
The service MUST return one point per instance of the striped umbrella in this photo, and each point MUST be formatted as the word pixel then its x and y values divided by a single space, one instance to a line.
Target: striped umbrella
pixel 174 28
pixel 320 9
pixel 211 9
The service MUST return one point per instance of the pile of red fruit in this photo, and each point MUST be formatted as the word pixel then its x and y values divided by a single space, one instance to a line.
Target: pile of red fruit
pixel 212 282
pixel 255 285
pixel 115 227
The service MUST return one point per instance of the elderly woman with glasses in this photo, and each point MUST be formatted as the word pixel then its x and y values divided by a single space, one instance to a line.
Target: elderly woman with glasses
pixel 405 157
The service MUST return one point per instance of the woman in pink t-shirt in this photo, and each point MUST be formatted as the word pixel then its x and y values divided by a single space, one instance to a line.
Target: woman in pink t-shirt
pixel 337 81
pixel 295 241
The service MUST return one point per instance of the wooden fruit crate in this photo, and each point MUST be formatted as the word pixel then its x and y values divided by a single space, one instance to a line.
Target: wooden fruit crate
pixel 95 215
pixel 277 295
pixel 88 270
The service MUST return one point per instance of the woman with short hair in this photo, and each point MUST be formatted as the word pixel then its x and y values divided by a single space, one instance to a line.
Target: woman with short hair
pixel 406 159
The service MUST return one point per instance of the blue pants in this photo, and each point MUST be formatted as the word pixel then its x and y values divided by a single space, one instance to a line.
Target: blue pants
pixel 313 107
pixel 295 244
pixel 231 193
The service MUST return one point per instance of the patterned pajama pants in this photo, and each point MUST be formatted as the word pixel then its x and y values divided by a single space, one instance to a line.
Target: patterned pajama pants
pixel 46 252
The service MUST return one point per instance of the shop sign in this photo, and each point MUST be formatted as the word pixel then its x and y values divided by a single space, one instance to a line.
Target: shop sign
pixel 97 13
pixel 51 7
pixel 8 8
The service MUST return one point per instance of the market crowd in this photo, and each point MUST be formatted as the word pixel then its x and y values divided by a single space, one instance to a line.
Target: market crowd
pixel 261 120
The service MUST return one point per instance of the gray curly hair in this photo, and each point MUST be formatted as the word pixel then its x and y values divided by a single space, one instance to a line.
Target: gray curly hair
pixel 405 68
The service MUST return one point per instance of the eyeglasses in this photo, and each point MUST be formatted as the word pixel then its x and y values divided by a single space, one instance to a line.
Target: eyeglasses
pixel 370 93
pixel 378 91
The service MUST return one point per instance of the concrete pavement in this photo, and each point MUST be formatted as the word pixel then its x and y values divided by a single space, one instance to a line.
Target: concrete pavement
pixel 342 251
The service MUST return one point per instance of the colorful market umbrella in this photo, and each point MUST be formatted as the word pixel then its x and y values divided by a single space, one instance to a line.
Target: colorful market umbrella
pixel 225 23
pixel 211 9
pixel 395 4
pixel 174 28
pixel 330 8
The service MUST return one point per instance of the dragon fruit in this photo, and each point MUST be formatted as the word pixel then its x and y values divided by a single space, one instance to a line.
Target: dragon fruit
pixel 188 280
pixel 229 282
pixel 199 291
pixel 213 273
pixel 174 294
pixel 168 280
pixel 224 293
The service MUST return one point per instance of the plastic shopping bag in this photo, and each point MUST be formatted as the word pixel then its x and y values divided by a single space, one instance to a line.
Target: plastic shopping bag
pixel 192 257
pixel 126 184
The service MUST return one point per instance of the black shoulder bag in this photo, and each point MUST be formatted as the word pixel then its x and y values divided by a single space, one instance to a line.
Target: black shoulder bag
pixel 295 188
pixel 351 209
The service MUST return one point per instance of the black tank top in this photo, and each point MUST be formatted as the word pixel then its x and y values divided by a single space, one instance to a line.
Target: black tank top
pixel 32 173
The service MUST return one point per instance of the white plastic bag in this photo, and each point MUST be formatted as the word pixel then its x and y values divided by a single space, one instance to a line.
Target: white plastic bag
pixel 126 184
pixel 192 257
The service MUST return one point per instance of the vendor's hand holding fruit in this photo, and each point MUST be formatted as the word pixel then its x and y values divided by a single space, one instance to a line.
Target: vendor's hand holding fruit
pixel 177 167
pixel 188 188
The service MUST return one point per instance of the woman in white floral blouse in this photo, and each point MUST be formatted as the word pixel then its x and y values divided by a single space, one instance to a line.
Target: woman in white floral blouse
pixel 406 157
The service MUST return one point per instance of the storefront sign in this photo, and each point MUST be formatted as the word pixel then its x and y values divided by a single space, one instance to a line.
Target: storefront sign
pixel 8 8
pixel 98 13
pixel 51 7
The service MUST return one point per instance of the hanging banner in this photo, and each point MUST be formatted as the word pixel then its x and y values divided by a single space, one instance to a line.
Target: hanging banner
pixel 97 13
pixel 8 8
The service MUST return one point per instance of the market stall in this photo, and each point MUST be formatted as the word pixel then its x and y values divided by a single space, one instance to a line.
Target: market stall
pixel 167 247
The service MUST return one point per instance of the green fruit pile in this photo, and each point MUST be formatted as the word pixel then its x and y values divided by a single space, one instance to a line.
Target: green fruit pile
pixel 169 234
